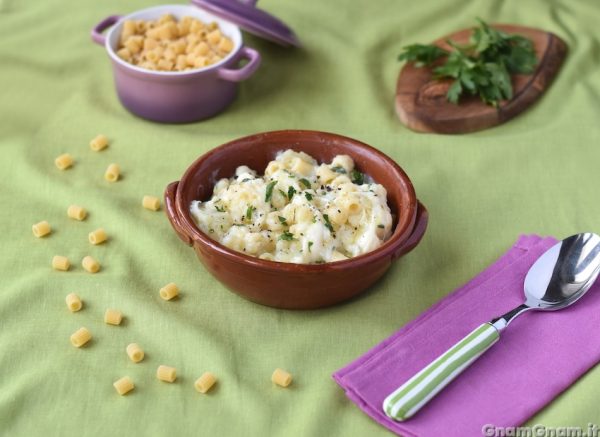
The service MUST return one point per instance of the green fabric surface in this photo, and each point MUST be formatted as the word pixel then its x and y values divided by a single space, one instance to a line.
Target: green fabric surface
pixel 536 174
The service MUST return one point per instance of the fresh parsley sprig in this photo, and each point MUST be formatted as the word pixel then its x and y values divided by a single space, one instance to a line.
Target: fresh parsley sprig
pixel 483 67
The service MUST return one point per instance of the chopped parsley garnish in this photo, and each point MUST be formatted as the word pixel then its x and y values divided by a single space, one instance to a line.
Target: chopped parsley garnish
pixel 380 226
pixel 282 220
pixel 310 243
pixel 357 177
pixel 289 173
pixel 291 192
pixel 269 191
pixel 328 224
pixel 220 208
pixel 249 212
pixel 339 169
pixel 308 196
pixel 245 180
pixel 287 236
pixel 305 182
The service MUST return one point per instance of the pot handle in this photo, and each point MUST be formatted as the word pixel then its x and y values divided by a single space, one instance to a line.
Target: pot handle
pixel 96 33
pixel 172 215
pixel 418 231
pixel 238 75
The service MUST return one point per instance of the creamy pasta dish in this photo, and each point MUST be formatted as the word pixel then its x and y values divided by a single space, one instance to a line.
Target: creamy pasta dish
pixel 300 211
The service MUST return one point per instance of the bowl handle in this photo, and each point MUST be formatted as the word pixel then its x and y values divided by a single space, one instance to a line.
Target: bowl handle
pixel 170 193
pixel 421 221
pixel 96 33
pixel 238 75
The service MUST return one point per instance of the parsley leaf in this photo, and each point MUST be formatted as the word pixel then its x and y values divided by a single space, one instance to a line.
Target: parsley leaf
pixel 269 191
pixel 357 177
pixel 339 169
pixel 249 212
pixel 483 67
pixel 422 55
pixel 308 196
pixel 328 224
pixel 380 226
pixel 291 192
pixel 287 236
pixel 305 182
pixel 282 220
pixel 220 208
pixel 310 243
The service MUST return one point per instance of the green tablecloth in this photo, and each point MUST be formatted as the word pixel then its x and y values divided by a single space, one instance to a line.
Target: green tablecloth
pixel 539 173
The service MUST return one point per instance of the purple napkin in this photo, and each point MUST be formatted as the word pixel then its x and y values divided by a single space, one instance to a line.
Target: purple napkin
pixel 538 356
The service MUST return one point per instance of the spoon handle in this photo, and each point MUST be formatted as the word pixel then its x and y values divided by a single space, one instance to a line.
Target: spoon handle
pixel 405 401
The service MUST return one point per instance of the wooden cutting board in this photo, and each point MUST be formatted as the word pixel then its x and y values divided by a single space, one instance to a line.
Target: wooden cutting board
pixel 421 101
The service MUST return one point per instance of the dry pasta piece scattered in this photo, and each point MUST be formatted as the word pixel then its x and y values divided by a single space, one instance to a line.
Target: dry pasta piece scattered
pixel 98 236
pixel 64 161
pixel 113 317
pixel 281 378
pixel 112 173
pixel 169 291
pixel 60 263
pixel 151 202
pixel 123 385
pixel 76 212
pixel 205 382
pixel 135 352
pixel 80 337
pixel 90 264
pixel 73 302
pixel 166 373
pixel 99 143
pixel 41 229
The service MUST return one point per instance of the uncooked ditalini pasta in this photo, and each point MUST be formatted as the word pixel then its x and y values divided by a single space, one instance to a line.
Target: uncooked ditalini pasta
pixel 80 337
pixel 113 317
pixel 76 212
pixel 151 202
pixel 98 236
pixel 166 373
pixel 64 161
pixel 205 382
pixel 135 352
pixel 99 143
pixel 169 44
pixel 60 263
pixel 90 264
pixel 169 291
pixel 41 229
pixel 73 302
pixel 123 385
pixel 112 173
pixel 281 378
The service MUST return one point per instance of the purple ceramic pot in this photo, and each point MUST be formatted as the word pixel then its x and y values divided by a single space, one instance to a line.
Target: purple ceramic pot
pixel 179 96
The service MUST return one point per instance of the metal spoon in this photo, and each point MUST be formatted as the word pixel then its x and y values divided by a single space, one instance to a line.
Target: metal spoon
pixel 558 278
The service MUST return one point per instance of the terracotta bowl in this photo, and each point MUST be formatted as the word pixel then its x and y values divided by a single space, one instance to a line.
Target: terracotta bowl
pixel 284 285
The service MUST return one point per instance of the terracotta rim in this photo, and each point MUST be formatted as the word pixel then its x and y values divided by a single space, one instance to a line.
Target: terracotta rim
pixel 402 230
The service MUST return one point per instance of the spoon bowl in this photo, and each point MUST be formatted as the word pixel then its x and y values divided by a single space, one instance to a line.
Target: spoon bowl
pixel 564 273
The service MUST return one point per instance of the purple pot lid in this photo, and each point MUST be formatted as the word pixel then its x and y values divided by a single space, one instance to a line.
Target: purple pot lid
pixel 245 14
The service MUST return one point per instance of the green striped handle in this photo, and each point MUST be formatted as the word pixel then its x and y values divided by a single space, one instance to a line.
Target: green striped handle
pixel 418 390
